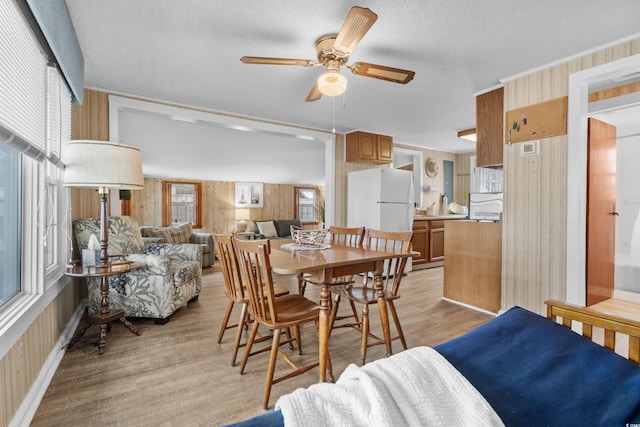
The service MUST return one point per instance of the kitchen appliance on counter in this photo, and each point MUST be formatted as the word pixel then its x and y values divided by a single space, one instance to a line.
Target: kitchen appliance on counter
pixel 381 198
pixel 485 206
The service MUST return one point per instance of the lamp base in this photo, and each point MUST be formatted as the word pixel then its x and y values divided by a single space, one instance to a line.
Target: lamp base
pixel 242 226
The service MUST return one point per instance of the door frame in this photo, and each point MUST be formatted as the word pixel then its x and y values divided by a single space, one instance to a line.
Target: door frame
pixel 418 171
pixel 577 114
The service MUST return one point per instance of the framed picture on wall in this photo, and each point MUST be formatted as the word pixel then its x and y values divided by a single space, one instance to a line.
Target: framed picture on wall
pixel 249 195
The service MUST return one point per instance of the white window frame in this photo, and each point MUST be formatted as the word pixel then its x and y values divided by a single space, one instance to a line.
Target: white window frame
pixel 38 131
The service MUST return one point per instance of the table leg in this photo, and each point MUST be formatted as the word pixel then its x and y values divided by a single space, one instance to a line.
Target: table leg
pixel 323 335
pixel 129 326
pixel 102 342
pixel 78 335
pixel 384 314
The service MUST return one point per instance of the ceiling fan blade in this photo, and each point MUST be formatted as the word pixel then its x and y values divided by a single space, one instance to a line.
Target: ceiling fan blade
pixel 381 72
pixel 277 61
pixel 355 26
pixel 314 94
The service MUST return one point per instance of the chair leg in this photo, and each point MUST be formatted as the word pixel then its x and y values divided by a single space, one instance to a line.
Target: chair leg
pixel 396 320
pixel 302 284
pixel 275 345
pixel 288 332
pixel 296 333
pixel 241 325
pixel 354 311
pixel 225 321
pixel 247 349
pixel 334 311
pixel 365 332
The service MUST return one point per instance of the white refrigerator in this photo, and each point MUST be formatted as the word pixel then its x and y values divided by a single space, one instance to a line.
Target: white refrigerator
pixel 381 198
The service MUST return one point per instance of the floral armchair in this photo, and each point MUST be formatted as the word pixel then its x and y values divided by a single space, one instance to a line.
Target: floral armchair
pixel 170 277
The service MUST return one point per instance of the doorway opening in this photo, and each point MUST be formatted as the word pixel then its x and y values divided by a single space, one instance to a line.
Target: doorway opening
pixel 580 83
pixel 626 119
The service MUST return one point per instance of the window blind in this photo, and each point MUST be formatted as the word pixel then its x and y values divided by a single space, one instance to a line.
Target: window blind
pixel 33 102
pixel 58 115
pixel 22 83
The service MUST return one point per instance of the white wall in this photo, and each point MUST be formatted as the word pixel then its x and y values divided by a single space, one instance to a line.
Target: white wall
pixel 627 270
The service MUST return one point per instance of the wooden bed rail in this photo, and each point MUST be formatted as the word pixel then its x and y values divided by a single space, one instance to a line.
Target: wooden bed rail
pixel 590 318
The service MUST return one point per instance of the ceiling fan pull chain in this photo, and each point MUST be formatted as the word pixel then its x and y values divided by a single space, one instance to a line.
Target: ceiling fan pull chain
pixel 333 103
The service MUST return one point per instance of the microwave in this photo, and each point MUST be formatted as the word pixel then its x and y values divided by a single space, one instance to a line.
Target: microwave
pixel 485 206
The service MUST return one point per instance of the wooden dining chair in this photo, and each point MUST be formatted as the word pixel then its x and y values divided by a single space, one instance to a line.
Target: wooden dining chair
pixel 365 295
pixel 235 291
pixel 274 314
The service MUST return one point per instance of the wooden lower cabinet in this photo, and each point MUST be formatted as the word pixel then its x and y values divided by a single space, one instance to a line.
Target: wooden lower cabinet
pixel 420 242
pixel 428 240
pixel 436 241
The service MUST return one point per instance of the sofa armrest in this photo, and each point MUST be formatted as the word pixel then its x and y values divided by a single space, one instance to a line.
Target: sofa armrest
pixel 202 238
pixel 156 263
pixel 177 251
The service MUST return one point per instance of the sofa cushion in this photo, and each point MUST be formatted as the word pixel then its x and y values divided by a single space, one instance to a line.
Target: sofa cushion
pixel 175 234
pixel 124 234
pixel 284 226
pixel 267 228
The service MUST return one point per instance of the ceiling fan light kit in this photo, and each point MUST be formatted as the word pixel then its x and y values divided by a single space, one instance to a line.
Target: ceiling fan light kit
pixel 333 51
pixel 332 83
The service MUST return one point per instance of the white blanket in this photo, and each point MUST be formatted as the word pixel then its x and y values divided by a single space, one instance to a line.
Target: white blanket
pixel 417 387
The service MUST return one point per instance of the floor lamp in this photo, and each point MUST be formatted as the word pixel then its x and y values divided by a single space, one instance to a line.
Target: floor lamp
pixel 102 165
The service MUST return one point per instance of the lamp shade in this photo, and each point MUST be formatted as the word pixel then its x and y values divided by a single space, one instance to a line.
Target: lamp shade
pixel 243 213
pixel 102 164
pixel 332 83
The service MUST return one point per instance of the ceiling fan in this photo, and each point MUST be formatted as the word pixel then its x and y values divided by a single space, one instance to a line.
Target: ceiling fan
pixel 333 51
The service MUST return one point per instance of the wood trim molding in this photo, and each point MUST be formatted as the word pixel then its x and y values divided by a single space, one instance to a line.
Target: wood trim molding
pixel 614 91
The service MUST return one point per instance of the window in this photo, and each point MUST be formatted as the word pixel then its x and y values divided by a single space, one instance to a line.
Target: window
pixel 10 226
pixel 182 203
pixel 309 207
pixel 485 180
pixel 35 120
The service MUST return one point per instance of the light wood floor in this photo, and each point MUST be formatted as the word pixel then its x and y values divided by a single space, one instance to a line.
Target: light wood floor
pixel 176 374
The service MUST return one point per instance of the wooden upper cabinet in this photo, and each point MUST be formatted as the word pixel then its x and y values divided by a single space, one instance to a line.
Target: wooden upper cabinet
pixel 489 128
pixel 369 147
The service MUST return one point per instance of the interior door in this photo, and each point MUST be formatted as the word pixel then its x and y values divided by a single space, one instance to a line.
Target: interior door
pixel 601 210
pixel 447 174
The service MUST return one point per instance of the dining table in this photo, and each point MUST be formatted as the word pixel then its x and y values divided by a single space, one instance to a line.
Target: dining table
pixel 324 263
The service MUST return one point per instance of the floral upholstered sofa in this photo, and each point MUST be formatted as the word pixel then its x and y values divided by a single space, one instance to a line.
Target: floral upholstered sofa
pixel 181 233
pixel 170 277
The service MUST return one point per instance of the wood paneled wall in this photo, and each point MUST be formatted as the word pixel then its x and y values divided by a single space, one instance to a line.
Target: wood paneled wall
pixel 218 213
pixel 20 367
pixel 534 229
pixel 463 177
pixel 89 121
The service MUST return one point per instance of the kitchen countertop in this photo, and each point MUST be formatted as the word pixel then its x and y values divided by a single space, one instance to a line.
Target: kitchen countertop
pixel 437 217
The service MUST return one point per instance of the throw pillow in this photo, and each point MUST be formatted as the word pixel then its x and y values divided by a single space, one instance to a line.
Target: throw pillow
pixel 284 226
pixel 182 233
pixel 159 232
pixel 267 229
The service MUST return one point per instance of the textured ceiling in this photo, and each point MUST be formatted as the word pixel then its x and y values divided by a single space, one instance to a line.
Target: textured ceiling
pixel 187 52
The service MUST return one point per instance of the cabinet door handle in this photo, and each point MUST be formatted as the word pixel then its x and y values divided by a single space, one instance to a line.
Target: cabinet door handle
pixel 614 213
